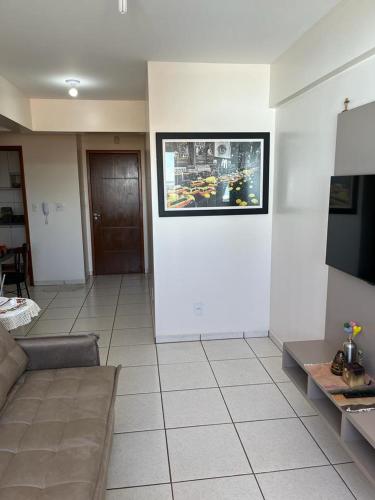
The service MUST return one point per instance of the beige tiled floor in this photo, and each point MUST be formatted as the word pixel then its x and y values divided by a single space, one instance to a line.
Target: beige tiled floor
pixel 227 423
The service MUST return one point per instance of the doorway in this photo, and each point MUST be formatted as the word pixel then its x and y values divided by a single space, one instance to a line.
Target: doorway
pixel 14 221
pixel 116 211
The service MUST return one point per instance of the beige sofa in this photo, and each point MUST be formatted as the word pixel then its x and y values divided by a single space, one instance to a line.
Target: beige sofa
pixel 56 418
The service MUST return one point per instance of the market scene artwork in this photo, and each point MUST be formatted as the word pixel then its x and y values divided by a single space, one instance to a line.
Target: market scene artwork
pixel 213 174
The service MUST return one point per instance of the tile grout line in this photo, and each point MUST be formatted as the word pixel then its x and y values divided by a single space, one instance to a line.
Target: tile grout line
pixel 309 433
pixel 113 323
pixel 165 430
pixel 234 426
pixel 80 309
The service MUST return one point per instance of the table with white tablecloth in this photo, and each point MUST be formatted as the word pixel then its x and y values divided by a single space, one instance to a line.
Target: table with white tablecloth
pixel 19 316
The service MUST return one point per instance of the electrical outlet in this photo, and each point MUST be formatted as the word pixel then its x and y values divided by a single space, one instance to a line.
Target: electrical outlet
pixel 198 308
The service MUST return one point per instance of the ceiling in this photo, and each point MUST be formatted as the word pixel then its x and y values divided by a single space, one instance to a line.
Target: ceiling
pixel 44 42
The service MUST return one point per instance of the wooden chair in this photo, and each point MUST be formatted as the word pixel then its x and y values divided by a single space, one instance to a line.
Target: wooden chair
pixel 19 270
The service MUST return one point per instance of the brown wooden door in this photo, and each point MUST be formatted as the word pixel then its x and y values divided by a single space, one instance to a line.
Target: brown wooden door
pixel 116 212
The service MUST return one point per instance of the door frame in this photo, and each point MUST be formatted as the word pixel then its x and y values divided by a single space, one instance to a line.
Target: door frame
pixel 88 169
pixel 24 201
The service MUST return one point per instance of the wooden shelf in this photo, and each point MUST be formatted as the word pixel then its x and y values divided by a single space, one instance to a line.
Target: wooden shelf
pixel 355 431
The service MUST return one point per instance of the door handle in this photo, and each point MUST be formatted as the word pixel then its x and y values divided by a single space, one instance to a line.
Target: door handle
pixel 96 216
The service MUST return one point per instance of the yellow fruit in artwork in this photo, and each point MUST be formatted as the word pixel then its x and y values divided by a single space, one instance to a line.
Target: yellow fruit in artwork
pixel 230 189
pixel 238 201
pixel 238 189
pixel 244 204
pixel 213 192
pixel 173 197
pixel 211 180
pixel 254 201
pixel 206 195
pixel 251 195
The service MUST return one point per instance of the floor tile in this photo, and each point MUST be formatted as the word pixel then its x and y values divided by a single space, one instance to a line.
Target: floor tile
pixel 263 347
pixel 205 452
pixel 139 412
pixel 60 313
pixel 137 355
pixel 103 354
pixel 274 368
pixel 356 481
pixel 299 403
pixel 133 336
pixel 224 488
pixel 326 440
pixel 317 483
pixel 138 379
pixel 186 376
pixel 134 290
pixel 51 326
pixel 240 372
pixel 103 292
pixel 104 336
pixel 97 311
pixel 110 300
pixel 141 298
pixel 136 321
pixel 86 324
pixel 256 402
pixel 157 492
pixel 227 349
pixel 197 407
pixel 138 459
pixel 133 309
pixel 71 294
pixel 66 302
pixel 273 445
pixel 180 352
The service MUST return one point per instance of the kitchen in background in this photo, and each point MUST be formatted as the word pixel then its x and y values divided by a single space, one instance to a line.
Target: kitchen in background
pixel 12 218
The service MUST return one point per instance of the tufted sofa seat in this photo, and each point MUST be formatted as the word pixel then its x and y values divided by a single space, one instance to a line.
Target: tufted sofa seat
pixel 56 419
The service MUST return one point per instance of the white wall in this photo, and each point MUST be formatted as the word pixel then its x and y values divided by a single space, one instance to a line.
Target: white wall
pixel 13 104
pixel 100 142
pixel 342 37
pixel 75 115
pixel 220 261
pixel 51 174
pixel 304 159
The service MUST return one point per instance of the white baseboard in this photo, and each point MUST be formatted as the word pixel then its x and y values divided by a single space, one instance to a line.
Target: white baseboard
pixel 255 333
pixel 60 282
pixel 222 336
pixel 162 339
pixel 276 340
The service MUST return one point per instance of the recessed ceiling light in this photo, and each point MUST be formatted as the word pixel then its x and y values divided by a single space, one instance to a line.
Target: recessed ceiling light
pixel 123 6
pixel 73 84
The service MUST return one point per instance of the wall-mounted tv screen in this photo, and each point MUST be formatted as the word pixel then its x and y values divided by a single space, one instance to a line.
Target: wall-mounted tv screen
pixel 351 226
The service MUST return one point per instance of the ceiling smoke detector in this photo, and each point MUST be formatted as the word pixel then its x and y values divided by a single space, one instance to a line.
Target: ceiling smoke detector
pixel 73 84
pixel 123 6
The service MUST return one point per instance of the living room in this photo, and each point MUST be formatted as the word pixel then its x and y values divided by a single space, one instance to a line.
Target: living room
pixel 200 307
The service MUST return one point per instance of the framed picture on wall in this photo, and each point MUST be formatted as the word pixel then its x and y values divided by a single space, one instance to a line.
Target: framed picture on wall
pixel 212 173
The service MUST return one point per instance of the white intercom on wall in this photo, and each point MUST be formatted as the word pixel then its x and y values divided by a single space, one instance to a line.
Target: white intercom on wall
pixel 45 209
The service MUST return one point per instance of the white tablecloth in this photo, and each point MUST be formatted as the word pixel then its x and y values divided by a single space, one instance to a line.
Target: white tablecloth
pixel 21 316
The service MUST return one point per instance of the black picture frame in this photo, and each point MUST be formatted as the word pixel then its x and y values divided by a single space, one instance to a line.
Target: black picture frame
pixel 184 137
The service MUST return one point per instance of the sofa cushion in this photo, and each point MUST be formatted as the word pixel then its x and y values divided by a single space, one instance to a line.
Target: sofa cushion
pixel 53 434
pixel 13 362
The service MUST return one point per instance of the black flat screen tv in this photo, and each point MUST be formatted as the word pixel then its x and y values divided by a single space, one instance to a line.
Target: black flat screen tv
pixel 351 226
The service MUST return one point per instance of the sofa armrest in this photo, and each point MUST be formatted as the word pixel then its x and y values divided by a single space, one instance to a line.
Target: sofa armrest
pixel 60 351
